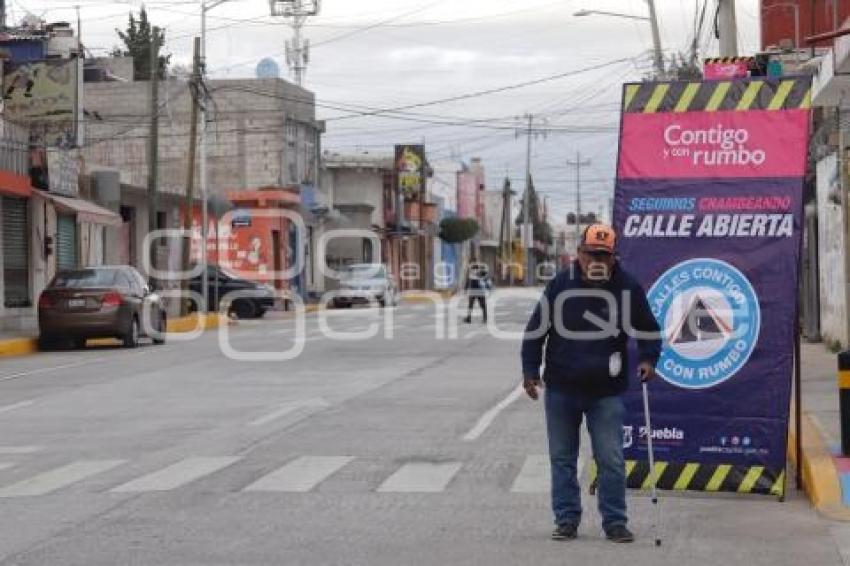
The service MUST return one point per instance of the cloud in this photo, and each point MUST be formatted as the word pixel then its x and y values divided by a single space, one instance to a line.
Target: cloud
pixel 435 56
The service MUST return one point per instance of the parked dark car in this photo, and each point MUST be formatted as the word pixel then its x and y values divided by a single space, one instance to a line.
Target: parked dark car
pixel 100 302
pixel 260 296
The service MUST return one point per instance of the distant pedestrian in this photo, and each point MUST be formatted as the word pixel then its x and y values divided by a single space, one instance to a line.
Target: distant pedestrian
pixel 586 373
pixel 477 285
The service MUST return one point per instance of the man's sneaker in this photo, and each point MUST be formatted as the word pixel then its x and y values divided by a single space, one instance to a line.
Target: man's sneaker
pixel 567 531
pixel 619 533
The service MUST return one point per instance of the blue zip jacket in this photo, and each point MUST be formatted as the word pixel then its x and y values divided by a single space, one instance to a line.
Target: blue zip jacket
pixel 585 333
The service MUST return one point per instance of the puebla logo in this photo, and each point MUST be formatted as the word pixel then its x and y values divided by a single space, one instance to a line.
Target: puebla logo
pixel 710 319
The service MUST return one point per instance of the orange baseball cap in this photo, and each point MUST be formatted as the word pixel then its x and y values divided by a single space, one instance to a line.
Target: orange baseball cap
pixel 599 237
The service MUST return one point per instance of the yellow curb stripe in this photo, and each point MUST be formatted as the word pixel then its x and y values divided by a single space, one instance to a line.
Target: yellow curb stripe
pixel 749 95
pixel 717 478
pixel 687 97
pixel 781 95
pixel 195 323
pixel 686 476
pixel 717 98
pixel 656 98
pixel 750 479
pixel 18 347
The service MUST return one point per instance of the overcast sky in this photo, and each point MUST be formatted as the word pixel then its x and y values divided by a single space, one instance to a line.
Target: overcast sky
pixel 378 54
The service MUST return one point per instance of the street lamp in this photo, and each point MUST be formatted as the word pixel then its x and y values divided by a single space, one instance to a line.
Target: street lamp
pixel 653 22
pixel 796 7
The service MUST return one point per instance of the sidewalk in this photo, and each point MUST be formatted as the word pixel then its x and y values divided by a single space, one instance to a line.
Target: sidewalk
pixel 824 473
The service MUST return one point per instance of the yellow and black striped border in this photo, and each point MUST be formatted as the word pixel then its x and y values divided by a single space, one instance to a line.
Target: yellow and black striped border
pixel 713 96
pixel 678 476
pixel 728 60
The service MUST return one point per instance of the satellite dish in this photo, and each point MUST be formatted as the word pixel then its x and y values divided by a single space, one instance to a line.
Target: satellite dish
pixel 268 69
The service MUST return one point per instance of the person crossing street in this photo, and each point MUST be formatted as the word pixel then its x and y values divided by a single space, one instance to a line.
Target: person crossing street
pixel 477 286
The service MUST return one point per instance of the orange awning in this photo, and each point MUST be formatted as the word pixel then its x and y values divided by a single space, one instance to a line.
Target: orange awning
pixel 14 184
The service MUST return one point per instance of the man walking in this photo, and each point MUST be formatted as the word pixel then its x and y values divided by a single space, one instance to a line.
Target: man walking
pixel 583 322
pixel 477 285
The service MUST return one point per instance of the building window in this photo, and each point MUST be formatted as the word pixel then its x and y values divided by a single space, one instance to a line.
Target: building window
pixel 16 253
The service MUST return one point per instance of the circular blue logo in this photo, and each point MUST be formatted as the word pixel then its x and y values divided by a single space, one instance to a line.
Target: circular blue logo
pixel 710 320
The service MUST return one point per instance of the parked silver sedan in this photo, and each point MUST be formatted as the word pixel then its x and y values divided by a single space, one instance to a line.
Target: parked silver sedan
pixel 367 283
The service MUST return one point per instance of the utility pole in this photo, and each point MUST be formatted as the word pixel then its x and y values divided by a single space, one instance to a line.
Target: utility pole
pixel 79 33
pixel 658 54
pixel 578 164
pixel 153 141
pixel 727 28
pixel 298 50
pixel 527 231
pixel 206 6
pixel 505 230
pixel 2 14
pixel 189 206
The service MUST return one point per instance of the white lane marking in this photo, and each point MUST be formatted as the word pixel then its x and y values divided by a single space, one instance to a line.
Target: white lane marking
pixel 51 368
pixel 301 475
pixel 20 405
pixel 18 450
pixel 176 475
pixel 487 418
pixel 283 331
pixel 536 476
pixel 58 478
pixel 288 408
pixel 420 477
pixel 88 362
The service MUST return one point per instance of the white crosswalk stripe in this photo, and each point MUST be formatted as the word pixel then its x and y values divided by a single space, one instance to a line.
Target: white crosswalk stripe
pixel 58 478
pixel 301 475
pixel 421 477
pixel 176 475
pixel 534 477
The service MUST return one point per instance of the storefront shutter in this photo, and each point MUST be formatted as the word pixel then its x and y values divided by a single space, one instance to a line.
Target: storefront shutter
pixel 66 242
pixel 15 252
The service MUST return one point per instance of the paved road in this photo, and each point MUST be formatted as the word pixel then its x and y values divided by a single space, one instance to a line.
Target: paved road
pixel 410 450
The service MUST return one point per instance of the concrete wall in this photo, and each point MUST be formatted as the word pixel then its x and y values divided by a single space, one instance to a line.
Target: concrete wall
pixel 248 145
pixel 353 186
pixel 833 308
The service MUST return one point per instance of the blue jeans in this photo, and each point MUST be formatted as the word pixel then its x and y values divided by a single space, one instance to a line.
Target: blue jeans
pixel 564 413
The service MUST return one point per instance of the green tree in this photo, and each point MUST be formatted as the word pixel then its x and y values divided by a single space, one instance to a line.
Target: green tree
pixel 137 39
pixel 457 230
pixel 541 228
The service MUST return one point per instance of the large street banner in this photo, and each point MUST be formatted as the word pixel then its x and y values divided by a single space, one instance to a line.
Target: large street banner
pixel 709 210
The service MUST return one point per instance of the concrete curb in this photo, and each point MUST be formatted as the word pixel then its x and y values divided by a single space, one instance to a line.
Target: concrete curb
pixel 820 477
pixel 27 346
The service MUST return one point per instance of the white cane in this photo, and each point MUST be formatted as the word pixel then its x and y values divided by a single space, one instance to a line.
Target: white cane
pixel 653 478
